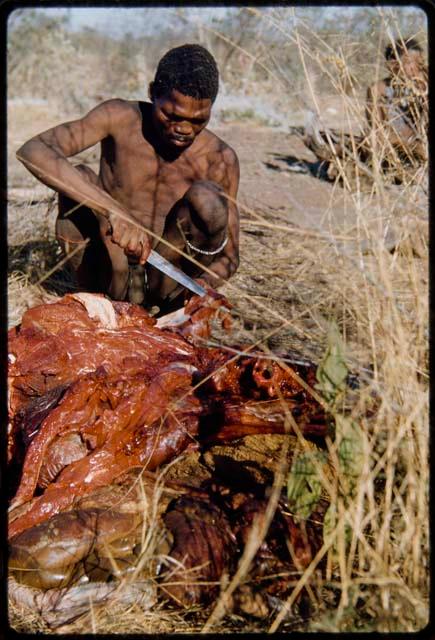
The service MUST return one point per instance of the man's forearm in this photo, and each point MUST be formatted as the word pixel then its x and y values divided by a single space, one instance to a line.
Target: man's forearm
pixel 55 171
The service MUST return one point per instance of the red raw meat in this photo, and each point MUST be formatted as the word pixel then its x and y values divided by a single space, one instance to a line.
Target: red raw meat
pixel 97 388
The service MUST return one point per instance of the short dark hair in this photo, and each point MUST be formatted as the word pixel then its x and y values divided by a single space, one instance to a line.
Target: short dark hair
pixel 190 69
pixel 401 46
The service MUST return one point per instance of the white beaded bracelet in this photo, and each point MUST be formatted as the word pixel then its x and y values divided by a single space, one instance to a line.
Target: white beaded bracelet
pixel 207 253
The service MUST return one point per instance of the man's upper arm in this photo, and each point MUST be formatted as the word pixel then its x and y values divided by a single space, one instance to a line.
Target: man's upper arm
pixel 233 169
pixel 230 257
pixel 233 174
pixel 225 172
pixel 72 137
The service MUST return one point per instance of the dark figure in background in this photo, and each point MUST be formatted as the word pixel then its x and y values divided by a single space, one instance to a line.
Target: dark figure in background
pixel 397 117
pixel 160 168
pixel 396 107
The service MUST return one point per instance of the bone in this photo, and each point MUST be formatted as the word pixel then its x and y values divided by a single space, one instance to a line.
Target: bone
pixel 58 607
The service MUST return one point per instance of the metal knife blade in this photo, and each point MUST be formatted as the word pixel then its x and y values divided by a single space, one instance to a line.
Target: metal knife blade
pixel 160 263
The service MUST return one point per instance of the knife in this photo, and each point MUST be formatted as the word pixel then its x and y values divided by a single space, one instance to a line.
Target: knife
pixel 176 274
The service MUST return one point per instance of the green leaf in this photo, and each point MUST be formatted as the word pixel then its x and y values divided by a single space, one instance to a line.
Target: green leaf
pixel 332 371
pixel 329 521
pixel 304 486
pixel 351 441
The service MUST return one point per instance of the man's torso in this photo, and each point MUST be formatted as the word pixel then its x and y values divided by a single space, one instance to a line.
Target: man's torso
pixel 133 173
pixel 404 106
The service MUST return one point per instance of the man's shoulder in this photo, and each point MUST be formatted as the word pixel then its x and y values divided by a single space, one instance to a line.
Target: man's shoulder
pixel 124 107
pixel 118 109
pixel 215 144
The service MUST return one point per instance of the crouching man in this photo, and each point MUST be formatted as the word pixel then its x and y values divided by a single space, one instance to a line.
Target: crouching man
pixel 160 170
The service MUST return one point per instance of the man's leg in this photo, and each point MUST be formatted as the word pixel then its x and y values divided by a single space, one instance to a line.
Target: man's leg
pixel 201 217
pixel 98 264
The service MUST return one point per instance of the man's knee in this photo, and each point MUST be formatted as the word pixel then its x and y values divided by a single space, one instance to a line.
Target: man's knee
pixel 208 206
pixel 67 204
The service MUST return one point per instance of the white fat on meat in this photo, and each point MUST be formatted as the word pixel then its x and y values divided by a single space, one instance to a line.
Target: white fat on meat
pixel 98 308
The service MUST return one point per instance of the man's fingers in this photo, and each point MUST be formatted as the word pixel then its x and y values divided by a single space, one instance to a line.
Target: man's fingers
pixel 139 246
pixel 108 228
pixel 117 232
pixel 132 239
pixel 125 238
pixel 133 246
pixel 146 248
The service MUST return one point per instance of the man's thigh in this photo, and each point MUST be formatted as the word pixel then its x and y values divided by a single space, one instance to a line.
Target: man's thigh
pixel 77 234
pixel 96 262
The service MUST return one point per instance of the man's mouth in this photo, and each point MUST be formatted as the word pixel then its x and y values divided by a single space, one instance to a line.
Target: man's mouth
pixel 180 140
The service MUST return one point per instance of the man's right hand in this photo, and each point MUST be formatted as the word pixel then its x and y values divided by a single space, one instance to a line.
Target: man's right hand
pixel 130 236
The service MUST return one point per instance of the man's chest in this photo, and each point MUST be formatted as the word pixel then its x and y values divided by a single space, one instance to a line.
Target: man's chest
pixel 133 169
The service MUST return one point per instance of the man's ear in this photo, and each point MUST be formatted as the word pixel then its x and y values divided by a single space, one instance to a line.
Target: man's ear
pixel 151 91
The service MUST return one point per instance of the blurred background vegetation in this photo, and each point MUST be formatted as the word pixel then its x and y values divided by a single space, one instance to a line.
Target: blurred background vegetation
pixel 78 57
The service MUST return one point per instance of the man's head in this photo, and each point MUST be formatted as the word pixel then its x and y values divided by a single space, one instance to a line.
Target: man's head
pixel 182 92
pixel 404 58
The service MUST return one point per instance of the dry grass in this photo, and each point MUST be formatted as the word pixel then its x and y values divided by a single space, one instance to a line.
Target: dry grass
pixel 375 285
pixel 23 295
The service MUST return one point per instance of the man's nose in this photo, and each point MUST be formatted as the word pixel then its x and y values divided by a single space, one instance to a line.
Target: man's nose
pixel 183 128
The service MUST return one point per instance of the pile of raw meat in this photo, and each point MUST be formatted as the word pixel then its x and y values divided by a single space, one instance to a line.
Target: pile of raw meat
pixel 98 392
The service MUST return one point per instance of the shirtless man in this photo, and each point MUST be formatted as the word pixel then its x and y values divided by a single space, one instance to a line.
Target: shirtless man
pixel 397 105
pixel 160 170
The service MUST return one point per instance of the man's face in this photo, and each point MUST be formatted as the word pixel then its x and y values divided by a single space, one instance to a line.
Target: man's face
pixel 409 67
pixel 178 119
